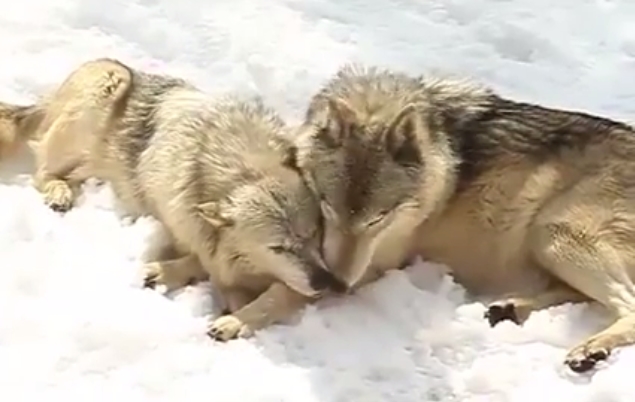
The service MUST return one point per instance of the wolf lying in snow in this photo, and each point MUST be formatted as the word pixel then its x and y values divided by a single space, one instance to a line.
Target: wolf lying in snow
pixel 530 204
pixel 216 172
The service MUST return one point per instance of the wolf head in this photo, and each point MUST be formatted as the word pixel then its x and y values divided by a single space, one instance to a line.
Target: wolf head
pixel 376 147
pixel 367 172
pixel 271 227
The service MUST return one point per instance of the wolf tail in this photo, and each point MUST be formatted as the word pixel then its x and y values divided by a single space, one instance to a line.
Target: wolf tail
pixel 18 125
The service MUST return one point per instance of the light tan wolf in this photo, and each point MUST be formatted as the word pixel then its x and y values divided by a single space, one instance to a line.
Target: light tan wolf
pixel 531 205
pixel 216 172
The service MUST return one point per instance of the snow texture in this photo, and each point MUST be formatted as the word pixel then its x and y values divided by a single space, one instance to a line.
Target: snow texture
pixel 74 321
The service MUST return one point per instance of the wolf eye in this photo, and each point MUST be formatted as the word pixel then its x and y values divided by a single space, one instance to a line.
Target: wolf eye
pixel 278 249
pixel 380 217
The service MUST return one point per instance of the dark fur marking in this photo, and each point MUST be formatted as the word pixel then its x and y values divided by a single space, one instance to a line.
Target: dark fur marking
pixel 327 137
pixel 290 158
pixel 402 145
pixel 509 127
pixel 135 137
pixel 362 166
pixel 320 280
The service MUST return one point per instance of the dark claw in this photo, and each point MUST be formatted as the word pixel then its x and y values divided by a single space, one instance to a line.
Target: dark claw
pixel 599 355
pixel 215 334
pixel 497 313
pixel 59 207
pixel 581 366
pixel 150 282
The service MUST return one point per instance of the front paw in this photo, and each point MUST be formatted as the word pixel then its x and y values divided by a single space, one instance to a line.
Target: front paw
pixel 152 275
pixel 227 327
pixel 584 357
pixel 58 196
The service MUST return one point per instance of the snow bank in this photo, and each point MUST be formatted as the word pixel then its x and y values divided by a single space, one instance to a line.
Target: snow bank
pixel 74 321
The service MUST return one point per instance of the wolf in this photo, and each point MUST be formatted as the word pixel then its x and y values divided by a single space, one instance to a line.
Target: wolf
pixel 528 205
pixel 215 171
pixel 357 150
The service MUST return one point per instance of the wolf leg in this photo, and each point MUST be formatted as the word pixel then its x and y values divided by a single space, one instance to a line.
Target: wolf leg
pixel 586 354
pixel 517 308
pixel 235 299
pixel 277 303
pixel 77 113
pixel 596 264
pixel 174 274
pixel 58 194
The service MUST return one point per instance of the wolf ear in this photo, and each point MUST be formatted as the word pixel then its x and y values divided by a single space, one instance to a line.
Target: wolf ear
pixel 401 137
pixel 339 117
pixel 341 110
pixel 213 214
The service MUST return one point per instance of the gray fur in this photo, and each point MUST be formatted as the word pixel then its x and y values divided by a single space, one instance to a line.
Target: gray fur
pixel 528 204
pixel 214 171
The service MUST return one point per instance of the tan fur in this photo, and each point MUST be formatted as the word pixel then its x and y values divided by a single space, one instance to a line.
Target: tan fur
pixel 349 147
pixel 216 172
pixel 18 125
pixel 533 205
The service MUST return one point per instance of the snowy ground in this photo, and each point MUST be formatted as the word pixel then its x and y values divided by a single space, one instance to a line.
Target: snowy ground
pixel 74 322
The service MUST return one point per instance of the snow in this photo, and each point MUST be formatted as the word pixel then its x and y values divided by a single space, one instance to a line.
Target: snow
pixel 74 320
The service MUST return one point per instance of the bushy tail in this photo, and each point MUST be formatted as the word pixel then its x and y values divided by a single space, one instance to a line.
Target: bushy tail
pixel 18 124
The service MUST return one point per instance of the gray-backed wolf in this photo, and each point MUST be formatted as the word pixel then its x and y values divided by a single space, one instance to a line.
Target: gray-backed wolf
pixel 532 205
pixel 216 172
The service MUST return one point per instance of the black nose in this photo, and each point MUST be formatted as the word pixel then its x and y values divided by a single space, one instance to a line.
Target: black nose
pixel 321 280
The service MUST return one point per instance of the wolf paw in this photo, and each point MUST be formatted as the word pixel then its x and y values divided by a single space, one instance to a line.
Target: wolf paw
pixel 58 196
pixel 501 311
pixel 154 275
pixel 228 327
pixel 584 357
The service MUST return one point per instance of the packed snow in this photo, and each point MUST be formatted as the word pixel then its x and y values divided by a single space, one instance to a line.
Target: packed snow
pixel 75 322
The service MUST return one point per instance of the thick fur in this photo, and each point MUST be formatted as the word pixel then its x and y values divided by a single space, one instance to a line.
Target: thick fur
pixel 215 172
pixel 526 203
pixel 359 148
pixel 18 125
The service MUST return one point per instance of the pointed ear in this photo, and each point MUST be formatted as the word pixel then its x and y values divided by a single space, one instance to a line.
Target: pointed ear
pixel 341 110
pixel 213 214
pixel 338 120
pixel 401 137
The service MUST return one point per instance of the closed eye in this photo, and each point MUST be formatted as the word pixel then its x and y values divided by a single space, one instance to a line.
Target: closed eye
pixel 280 249
pixel 380 217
